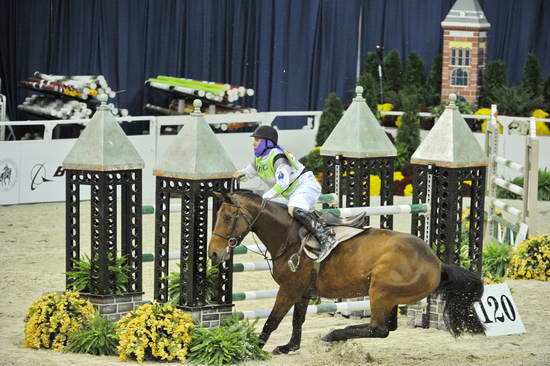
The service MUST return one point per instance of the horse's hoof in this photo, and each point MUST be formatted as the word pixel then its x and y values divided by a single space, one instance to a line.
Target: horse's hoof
pixel 334 336
pixel 282 350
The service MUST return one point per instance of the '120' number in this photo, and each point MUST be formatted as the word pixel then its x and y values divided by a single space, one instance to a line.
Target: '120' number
pixel 498 316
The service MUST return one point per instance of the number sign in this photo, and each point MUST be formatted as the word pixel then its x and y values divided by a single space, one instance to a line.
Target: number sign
pixel 497 311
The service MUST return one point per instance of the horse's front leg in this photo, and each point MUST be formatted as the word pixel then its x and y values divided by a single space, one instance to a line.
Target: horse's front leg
pixel 300 309
pixel 283 302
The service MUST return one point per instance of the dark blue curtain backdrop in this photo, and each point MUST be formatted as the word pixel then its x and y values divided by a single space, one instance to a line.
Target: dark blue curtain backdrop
pixel 293 53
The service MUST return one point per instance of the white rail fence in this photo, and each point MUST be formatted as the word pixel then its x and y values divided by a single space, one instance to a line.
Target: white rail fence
pixel 511 232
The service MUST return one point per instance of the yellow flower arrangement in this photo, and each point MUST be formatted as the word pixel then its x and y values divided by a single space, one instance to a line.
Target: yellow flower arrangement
pixel 486 112
pixel 408 191
pixel 375 185
pixel 398 121
pixel 386 107
pixel 154 331
pixel 54 319
pixel 531 259
pixel 542 128
pixel 398 176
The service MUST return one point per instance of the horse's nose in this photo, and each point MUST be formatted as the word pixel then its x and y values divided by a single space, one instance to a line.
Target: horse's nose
pixel 214 258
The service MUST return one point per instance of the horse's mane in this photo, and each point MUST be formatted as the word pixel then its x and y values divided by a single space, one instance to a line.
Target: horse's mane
pixel 254 196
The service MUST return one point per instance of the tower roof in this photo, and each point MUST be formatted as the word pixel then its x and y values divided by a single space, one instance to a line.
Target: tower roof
pixel 466 14
pixel 358 133
pixel 196 153
pixel 450 143
pixel 103 145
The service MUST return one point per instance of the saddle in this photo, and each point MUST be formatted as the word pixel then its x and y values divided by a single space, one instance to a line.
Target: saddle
pixel 343 228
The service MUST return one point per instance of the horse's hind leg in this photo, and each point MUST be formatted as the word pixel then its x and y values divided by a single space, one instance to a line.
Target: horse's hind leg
pixel 378 328
pixel 298 319
pixel 392 322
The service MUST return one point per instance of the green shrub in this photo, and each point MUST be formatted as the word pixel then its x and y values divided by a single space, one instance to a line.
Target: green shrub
pixel 82 274
pixel 233 342
pixel 392 72
pixel 515 101
pixel 332 112
pixel 433 82
pixel 532 76
pixel 313 161
pixel 543 189
pixel 174 289
pixel 98 337
pixel 495 260
pixel 463 106
pixel 408 133
pixel 414 74
pixel 493 78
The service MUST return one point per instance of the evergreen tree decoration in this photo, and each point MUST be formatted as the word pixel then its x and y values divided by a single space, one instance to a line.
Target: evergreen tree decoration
pixel 414 74
pixel 433 82
pixel 408 133
pixel 532 76
pixel 546 94
pixel 371 89
pixel 494 78
pixel 515 101
pixel 370 65
pixel 392 71
pixel 332 112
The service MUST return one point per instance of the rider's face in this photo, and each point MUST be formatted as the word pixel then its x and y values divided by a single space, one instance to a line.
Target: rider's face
pixel 256 142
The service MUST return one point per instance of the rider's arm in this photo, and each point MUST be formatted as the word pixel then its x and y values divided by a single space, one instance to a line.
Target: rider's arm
pixel 282 179
pixel 249 172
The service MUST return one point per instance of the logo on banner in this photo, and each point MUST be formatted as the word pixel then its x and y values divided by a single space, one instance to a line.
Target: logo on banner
pixel 8 175
pixel 38 176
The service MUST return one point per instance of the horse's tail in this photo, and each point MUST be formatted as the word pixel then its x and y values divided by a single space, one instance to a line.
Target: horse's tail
pixel 460 289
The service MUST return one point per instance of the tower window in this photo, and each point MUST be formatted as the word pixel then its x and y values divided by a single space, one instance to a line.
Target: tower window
pixel 460 57
pixel 481 53
pixel 459 77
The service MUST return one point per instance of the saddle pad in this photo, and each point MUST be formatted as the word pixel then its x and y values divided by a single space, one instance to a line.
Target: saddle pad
pixel 341 233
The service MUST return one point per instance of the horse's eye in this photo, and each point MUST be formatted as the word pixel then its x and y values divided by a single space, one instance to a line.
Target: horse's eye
pixel 226 218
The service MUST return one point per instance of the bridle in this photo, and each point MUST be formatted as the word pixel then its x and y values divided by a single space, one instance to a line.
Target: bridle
pixel 234 240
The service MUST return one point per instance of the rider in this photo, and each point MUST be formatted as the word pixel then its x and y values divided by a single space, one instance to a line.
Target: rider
pixel 287 177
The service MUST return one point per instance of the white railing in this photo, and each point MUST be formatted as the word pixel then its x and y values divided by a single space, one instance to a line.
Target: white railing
pixel 497 227
pixel 35 166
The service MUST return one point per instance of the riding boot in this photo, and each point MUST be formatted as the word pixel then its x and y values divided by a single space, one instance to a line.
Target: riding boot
pixel 311 222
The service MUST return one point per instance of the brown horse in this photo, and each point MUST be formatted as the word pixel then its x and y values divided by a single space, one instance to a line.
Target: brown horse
pixel 390 267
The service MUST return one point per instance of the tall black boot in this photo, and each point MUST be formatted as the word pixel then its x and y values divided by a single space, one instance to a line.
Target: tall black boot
pixel 311 222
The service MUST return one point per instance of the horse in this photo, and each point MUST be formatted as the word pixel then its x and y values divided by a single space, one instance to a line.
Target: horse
pixel 390 267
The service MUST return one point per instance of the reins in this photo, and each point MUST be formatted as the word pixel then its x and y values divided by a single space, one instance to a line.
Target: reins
pixel 234 240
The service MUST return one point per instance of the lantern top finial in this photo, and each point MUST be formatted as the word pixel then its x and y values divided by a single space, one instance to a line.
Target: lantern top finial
pixel 197 104
pixel 452 101
pixel 359 93
pixel 103 99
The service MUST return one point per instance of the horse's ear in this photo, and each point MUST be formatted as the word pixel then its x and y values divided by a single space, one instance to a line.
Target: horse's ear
pixel 222 196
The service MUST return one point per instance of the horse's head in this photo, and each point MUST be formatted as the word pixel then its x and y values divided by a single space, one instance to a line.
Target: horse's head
pixel 233 222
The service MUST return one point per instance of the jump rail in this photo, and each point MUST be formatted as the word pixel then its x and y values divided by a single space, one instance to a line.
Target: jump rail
pixel 503 231
pixel 363 305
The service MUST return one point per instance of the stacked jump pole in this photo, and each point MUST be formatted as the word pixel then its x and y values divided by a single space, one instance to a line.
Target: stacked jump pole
pixel 498 227
pixel 446 159
pixel 193 167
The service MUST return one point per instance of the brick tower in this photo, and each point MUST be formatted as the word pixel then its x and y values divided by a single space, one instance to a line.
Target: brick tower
pixel 464 50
